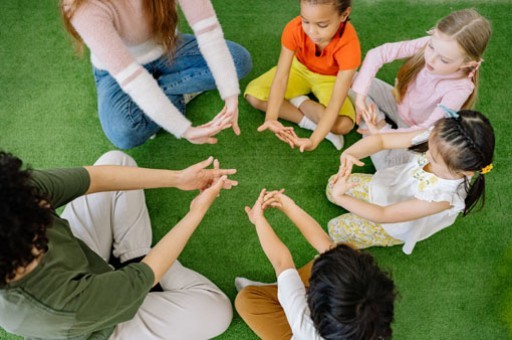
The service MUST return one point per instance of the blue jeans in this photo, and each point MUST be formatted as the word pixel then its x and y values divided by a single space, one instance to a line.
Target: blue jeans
pixel 125 124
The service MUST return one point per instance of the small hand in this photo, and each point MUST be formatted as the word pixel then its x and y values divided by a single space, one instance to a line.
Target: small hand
pixel 276 199
pixel 286 134
pixel 360 107
pixel 204 200
pixel 198 177
pixel 342 184
pixel 256 212
pixel 203 134
pixel 347 161
pixel 371 119
pixel 304 144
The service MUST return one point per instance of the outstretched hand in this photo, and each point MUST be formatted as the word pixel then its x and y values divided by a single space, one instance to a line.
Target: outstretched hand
pixel 276 199
pixel 341 184
pixel 198 177
pixel 204 200
pixel 231 110
pixel 347 161
pixel 203 134
pixel 284 133
pixel 373 125
pixel 256 212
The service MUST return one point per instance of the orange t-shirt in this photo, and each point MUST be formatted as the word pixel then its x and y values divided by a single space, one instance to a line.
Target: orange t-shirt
pixel 342 53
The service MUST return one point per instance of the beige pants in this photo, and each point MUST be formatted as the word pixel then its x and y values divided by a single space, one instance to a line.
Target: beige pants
pixel 190 307
pixel 261 310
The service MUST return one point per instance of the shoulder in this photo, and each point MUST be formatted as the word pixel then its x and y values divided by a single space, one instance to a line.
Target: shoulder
pixel 294 25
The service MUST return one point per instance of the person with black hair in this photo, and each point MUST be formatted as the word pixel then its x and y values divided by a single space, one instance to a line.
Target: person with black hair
pixel 55 280
pixel 342 294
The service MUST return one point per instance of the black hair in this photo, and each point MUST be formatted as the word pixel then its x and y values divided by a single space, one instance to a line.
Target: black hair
pixel 341 5
pixel 466 144
pixel 24 217
pixel 349 296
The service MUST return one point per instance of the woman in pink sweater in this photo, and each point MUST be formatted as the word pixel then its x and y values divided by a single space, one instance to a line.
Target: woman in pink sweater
pixel 441 68
pixel 143 66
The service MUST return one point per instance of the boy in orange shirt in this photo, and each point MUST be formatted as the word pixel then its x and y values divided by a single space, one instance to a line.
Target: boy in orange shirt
pixel 320 54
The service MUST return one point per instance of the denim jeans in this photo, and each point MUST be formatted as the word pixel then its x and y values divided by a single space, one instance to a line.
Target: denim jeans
pixel 125 124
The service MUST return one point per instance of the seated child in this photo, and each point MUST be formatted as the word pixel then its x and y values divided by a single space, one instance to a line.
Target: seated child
pixel 348 295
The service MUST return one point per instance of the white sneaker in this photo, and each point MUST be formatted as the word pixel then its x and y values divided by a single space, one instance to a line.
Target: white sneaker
pixel 187 97
pixel 242 282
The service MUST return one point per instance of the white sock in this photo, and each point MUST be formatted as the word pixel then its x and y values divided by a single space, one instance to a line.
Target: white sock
pixel 187 97
pixel 242 282
pixel 297 101
pixel 336 140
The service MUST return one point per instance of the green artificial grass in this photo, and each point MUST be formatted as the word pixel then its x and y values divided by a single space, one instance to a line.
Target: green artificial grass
pixel 455 285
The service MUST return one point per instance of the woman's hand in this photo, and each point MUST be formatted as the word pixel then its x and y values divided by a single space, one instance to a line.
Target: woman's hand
pixel 231 109
pixel 198 177
pixel 203 134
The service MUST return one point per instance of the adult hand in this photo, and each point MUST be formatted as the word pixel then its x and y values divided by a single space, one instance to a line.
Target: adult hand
pixel 202 202
pixel 203 134
pixel 198 177
pixel 361 107
pixel 231 109
pixel 286 134
pixel 256 212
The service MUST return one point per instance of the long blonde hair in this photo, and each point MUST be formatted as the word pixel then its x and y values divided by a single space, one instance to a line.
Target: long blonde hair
pixel 164 21
pixel 470 30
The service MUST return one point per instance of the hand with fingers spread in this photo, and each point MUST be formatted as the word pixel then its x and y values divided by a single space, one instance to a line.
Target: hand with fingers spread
pixel 203 134
pixel 256 212
pixel 342 184
pixel 284 133
pixel 347 161
pixel 203 201
pixel 277 199
pixel 370 117
pixel 361 107
pixel 231 110
pixel 198 177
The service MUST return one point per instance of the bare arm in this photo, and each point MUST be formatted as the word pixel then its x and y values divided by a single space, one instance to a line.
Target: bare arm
pixel 116 178
pixel 166 251
pixel 279 84
pixel 308 226
pixel 275 250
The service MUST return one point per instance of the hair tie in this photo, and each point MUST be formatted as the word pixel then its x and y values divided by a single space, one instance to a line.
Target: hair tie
pixel 449 113
pixel 475 68
pixel 486 169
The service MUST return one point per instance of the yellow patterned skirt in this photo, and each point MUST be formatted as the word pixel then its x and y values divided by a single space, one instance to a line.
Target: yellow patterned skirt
pixel 350 228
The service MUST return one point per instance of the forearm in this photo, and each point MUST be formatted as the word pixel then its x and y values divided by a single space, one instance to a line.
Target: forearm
pixel 166 251
pixel 309 227
pixel 365 147
pixel 117 178
pixel 276 97
pixel 275 250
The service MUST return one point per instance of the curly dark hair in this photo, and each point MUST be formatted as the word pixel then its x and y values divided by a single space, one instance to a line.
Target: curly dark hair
pixel 349 296
pixel 24 218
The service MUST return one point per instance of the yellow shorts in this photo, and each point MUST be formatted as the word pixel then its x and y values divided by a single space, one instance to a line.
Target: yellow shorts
pixel 301 81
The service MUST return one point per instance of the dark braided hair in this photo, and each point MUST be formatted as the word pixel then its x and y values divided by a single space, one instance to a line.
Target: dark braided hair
pixel 466 144
pixel 24 217
pixel 349 296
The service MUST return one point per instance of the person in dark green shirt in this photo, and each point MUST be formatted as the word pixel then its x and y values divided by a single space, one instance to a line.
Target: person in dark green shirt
pixel 56 282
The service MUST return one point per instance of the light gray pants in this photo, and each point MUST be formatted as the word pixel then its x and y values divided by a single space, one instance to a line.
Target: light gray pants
pixel 190 307
pixel 381 95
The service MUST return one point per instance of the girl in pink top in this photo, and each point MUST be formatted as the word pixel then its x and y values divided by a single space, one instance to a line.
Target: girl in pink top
pixel 442 68
pixel 143 66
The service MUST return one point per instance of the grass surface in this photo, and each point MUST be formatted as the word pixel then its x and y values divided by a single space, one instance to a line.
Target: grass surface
pixel 457 284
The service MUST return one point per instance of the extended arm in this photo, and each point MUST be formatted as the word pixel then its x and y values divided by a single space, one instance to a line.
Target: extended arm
pixel 275 250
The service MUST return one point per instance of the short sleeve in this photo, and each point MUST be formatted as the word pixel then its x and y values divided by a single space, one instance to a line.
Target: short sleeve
pixel 62 185
pixel 288 35
pixel 438 195
pixel 348 57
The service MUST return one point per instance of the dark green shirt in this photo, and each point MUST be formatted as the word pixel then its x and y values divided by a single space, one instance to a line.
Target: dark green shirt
pixel 73 292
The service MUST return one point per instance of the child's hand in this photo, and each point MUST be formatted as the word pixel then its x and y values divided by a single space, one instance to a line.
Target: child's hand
pixel 305 144
pixel 286 134
pixel 204 200
pixel 256 212
pixel 347 161
pixel 361 107
pixel 341 184
pixel 276 199
pixel 372 123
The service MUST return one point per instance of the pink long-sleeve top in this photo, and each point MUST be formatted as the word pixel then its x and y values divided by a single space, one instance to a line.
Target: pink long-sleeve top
pixel 120 37
pixel 419 107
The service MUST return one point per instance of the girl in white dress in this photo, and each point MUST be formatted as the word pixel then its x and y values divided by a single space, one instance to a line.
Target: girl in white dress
pixel 407 203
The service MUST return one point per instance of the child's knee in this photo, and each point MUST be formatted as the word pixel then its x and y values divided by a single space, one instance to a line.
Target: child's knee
pixel 342 125
pixel 243 303
pixel 328 189
pixel 256 103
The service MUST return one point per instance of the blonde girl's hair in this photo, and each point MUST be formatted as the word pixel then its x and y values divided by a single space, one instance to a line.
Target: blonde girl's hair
pixel 164 21
pixel 471 31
